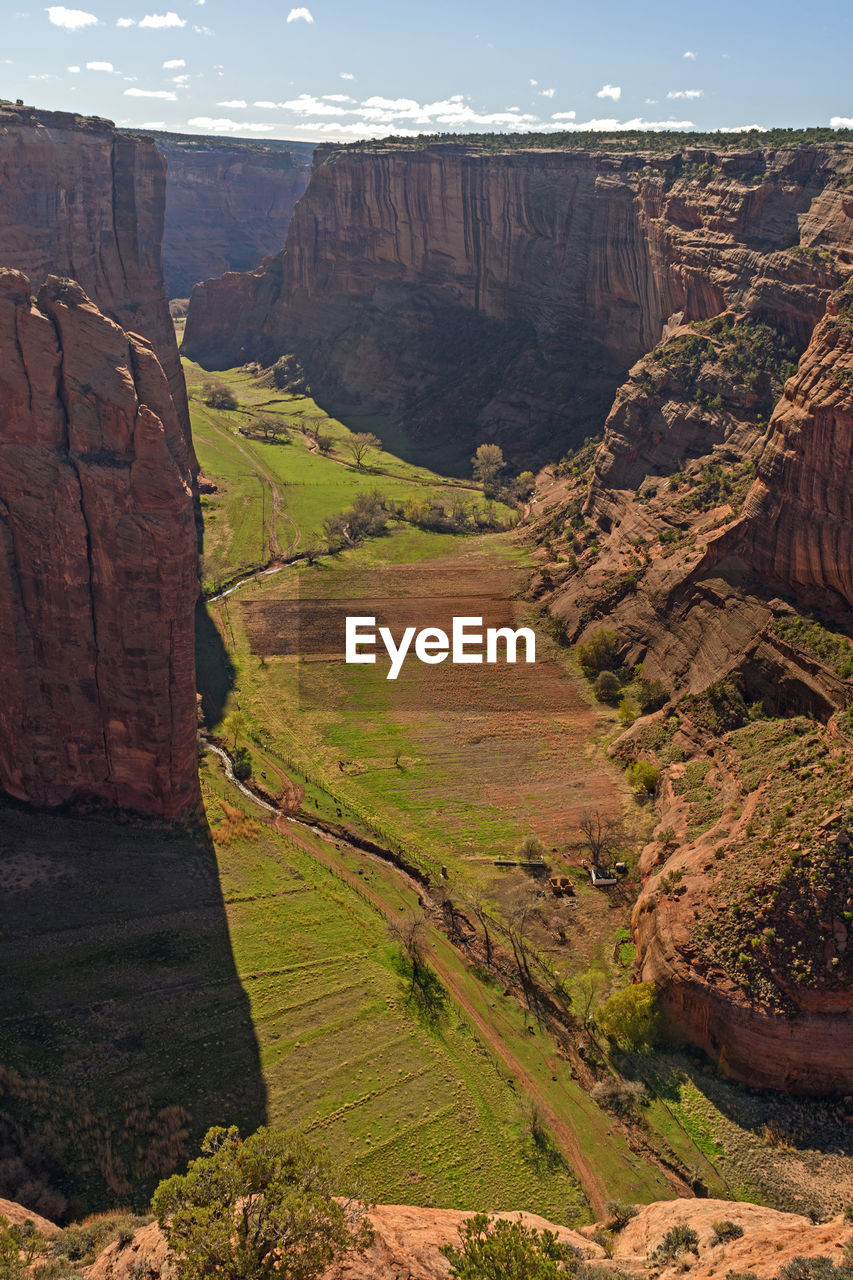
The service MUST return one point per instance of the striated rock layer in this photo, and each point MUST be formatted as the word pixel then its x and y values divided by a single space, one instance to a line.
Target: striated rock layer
pixel 98 575
pixel 79 199
pixel 228 205
pixel 543 274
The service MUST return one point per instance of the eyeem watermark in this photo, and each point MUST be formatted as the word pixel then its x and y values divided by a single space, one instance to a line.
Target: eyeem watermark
pixel 433 645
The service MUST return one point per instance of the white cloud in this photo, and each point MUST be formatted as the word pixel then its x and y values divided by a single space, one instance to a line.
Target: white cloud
pixel 265 106
pixel 743 128
pixel 534 82
pixel 156 21
pixel 841 122
pixel 337 97
pixel 220 124
pixel 300 15
pixel 174 64
pixel 165 94
pixel 130 79
pixel 99 66
pixel 233 102
pixel 71 19
pixel 564 115
pixel 126 22
pixel 181 80
pixel 44 76
pixel 613 91
pixel 305 105
pixel 547 93
pixel 651 102
pixel 347 75
pixel 203 31
pixel 686 93
pixel 75 71
pixel 688 53
pixel 153 124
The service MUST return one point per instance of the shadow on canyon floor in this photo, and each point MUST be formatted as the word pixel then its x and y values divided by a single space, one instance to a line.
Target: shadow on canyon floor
pixel 213 665
pixel 125 1031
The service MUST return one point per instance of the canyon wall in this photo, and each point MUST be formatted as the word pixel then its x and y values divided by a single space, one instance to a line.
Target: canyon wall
pixel 543 275
pixel 228 204
pixel 98 578
pixel 78 199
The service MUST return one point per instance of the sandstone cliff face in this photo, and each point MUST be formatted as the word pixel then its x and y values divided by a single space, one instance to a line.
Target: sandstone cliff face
pixel 228 206
pixel 78 199
pixel 97 562
pixel 544 275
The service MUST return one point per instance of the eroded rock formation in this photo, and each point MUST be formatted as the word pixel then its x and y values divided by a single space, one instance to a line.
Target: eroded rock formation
pixel 228 205
pixel 98 575
pixel 79 199
pixel 544 275
pixel 408 1240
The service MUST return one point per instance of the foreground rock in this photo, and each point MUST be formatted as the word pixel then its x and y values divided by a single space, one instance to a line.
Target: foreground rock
pixel 408 1240
pixel 98 575
pixel 79 199
pixel 228 204
pixel 545 274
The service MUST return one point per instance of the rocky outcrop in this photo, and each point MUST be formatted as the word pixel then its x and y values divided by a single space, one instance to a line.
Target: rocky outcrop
pixel 228 205
pixel 98 575
pixel 79 199
pixel 408 1240
pixel 544 275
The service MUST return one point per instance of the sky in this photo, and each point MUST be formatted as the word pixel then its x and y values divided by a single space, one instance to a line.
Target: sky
pixel 338 70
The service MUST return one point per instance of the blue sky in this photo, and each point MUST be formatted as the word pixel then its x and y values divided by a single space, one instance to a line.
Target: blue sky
pixel 339 69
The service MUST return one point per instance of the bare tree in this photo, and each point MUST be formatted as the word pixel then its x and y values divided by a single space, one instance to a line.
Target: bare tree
pixel 602 834
pixel 358 445
pixel 484 919
pixel 519 922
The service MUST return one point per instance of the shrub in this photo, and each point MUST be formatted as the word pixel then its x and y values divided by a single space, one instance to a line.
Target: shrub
pixel 621 1096
pixel 262 1208
pixel 628 710
pixel 726 1231
pixel 651 695
pixel 287 375
pixel 494 1247
pixel 677 1240
pixel 644 776
pixel 531 849
pixel 218 396
pixel 620 1214
pixel 631 1016
pixel 600 652
pixel 607 687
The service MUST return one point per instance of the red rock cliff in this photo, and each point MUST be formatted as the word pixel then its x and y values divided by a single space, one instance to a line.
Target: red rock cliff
pixel 97 562
pixel 545 274
pixel 228 205
pixel 78 199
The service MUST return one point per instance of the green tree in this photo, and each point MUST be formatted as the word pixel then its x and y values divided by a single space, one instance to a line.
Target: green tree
pixel 257 1209
pixel 488 463
pixel 494 1249
pixel 600 652
pixel 234 726
pixel 632 1015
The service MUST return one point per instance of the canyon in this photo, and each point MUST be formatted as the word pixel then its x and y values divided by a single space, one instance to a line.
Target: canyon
pixel 543 274
pixel 228 203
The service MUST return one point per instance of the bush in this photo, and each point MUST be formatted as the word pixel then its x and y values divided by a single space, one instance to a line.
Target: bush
pixel 600 652
pixel 260 1209
pixel 677 1240
pixel 631 1016
pixel 644 776
pixel 531 849
pixel 490 1248
pixel 726 1231
pixel 287 375
pixel 628 710
pixel 620 1214
pixel 607 687
pixel 218 396
pixel 621 1096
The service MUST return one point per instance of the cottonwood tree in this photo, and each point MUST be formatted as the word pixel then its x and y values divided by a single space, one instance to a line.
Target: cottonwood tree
pixel 518 927
pixel 358 445
pixel 260 1208
pixel 601 834
pixel 488 463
